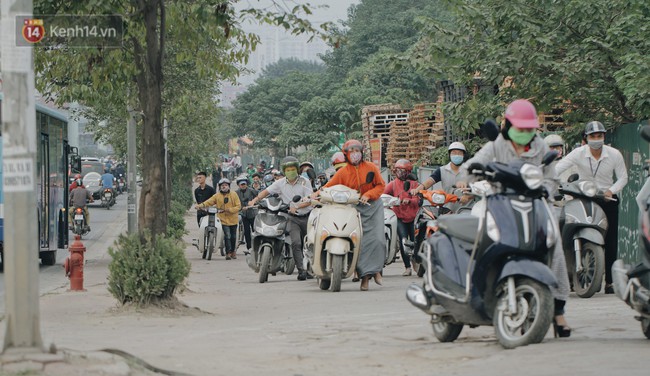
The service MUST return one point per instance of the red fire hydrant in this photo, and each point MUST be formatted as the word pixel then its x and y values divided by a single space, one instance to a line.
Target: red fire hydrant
pixel 74 265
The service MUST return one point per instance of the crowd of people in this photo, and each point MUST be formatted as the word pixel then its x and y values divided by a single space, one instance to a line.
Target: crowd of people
pixel 518 139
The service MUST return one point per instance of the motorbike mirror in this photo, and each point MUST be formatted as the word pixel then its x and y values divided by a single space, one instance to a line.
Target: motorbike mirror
pixel 225 200
pixel 549 157
pixel 645 133
pixel 311 174
pixel 407 185
pixel 490 129
pixel 296 198
pixel 573 178
pixel 370 177
pixel 475 166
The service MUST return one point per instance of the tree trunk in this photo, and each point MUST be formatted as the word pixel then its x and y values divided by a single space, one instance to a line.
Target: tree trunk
pixel 152 214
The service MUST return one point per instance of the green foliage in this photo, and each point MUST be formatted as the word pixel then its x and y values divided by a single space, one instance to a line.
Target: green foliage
pixel 587 52
pixel 146 269
pixel 285 66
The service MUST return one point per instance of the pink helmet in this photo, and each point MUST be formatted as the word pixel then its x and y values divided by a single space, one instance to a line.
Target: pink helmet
pixel 522 114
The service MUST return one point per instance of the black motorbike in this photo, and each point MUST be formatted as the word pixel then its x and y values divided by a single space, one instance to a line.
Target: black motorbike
pixel 493 269
pixel 632 283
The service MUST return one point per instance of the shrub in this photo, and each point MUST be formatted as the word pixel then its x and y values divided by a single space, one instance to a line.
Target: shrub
pixel 182 193
pixel 146 269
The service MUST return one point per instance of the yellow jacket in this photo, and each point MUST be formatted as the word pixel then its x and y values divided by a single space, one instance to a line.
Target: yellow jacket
pixel 229 215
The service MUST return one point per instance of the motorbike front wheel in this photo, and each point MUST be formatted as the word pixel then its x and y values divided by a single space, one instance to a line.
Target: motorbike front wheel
pixel 337 272
pixel 588 281
pixel 645 327
pixel 265 262
pixel 446 331
pixel 210 245
pixel 533 317
pixel 289 266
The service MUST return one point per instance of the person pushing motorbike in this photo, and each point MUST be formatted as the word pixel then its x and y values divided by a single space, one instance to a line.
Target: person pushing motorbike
pixel 407 210
pixel 518 140
pixel 287 188
pixel 228 206
pixel 353 175
pixel 601 163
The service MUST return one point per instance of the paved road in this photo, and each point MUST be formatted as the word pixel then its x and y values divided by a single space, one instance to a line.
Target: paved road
pixel 102 220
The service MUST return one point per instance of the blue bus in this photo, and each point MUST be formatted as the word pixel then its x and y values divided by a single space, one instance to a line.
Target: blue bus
pixel 52 182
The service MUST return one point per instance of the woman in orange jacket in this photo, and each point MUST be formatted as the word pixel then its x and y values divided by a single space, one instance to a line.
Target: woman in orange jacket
pixel 353 175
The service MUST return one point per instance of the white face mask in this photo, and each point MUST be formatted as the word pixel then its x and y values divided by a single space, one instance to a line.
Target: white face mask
pixel 595 144
pixel 355 157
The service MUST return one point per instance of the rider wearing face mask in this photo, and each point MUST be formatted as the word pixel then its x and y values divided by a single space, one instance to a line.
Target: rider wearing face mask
pixel 601 163
pixel 518 140
pixel 287 188
pixel 371 209
pixel 448 174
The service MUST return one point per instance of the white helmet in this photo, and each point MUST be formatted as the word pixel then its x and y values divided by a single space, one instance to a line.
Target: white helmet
pixel 554 140
pixel 457 146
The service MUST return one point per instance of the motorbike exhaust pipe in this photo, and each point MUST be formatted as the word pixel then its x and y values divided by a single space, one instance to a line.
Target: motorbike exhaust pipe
pixel 415 295
pixel 620 280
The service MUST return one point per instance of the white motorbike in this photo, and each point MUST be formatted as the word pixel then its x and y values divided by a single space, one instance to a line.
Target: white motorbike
pixel 390 227
pixel 333 237
pixel 211 234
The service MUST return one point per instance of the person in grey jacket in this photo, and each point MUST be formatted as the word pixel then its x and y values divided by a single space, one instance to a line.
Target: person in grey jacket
pixel 519 140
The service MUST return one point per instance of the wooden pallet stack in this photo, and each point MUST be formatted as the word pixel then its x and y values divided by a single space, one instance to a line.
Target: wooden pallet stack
pixel 426 130
pixel 553 121
pixel 376 121
pixel 398 142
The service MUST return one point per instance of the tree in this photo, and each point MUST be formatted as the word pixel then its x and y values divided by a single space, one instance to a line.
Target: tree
pixel 99 77
pixel 284 66
pixel 585 55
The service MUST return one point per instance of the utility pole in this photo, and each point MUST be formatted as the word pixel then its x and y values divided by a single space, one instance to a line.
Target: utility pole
pixel 132 216
pixel 19 183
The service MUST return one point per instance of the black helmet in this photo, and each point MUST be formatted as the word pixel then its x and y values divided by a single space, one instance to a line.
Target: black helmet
pixel 289 162
pixel 594 127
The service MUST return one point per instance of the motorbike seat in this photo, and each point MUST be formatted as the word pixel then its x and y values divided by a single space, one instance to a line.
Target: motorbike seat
pixel 460 226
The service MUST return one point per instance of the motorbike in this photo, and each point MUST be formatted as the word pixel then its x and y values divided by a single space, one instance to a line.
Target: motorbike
pixel 492 269
pixel 121 184
pixel 108 199
pixel 79 224
pixel 267 253
pixel 583 226
pixel 632 283
pixel 211 234
pixel 333 239
pixel 390 228
pixel 433 206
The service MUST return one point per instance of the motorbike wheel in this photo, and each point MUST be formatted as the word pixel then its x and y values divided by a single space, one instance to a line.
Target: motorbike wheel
pixel 210 245
pixel 289 266
pixel 387 251
pixel 446 331
pixel 264 263
pixel 49 258
pixel 645 327
pixel 533 318
pixel 588 282
pixel 324 284
pixel 337 272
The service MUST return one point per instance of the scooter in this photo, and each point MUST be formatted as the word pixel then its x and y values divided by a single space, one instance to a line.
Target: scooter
pixel 211 234
pixel 583 225
pixel 334 235
pixel 270 225
pixel 390 227
pixel 632 284
pixel 492 269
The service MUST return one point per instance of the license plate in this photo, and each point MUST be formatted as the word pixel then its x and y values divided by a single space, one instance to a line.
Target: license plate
pixel 78 217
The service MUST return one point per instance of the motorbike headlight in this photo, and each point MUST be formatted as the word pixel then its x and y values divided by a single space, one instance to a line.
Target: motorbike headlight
pixel 270 231
pixel 588 188
pixel 492 228
pixel 212 210
pixel 532 176
pixel 340 197
pixel 438 198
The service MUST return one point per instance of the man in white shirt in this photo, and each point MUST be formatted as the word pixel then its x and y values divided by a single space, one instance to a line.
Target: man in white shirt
pixel 601 163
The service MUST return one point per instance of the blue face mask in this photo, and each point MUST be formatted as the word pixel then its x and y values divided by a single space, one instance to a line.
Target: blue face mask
pixel 457 159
